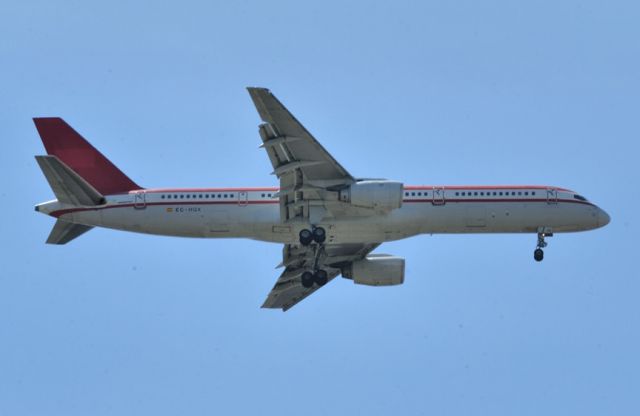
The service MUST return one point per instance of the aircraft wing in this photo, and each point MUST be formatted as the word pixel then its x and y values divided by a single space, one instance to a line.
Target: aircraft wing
pixel 304 167
pixel 290 146
pixel 309 180
pixel 288 290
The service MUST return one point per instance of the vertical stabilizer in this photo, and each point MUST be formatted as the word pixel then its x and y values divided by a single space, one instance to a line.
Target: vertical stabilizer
pixel 73 150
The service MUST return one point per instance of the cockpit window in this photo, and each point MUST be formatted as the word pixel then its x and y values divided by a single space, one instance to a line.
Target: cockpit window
pixel 580 198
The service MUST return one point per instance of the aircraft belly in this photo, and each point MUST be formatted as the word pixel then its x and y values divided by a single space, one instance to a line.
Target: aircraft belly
pixel 262 222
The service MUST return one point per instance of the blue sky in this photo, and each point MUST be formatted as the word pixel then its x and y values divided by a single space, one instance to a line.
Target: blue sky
pixel 430 93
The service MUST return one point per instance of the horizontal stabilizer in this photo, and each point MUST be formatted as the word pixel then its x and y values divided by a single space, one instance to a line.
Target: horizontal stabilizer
pixel 67 185
pixel 64 231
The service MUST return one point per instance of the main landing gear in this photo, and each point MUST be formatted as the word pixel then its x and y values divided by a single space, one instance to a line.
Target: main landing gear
pixel 317 234
pixel 538 254
pixel 319 277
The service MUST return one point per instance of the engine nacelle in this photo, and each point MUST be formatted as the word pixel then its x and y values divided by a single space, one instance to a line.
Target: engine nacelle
pixel 380 195
pixel 376 270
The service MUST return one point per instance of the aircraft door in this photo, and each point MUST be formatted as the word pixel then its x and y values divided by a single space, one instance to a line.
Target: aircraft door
pixel 243 198
pixel 552 196
pixel 139 200
pixel 438 195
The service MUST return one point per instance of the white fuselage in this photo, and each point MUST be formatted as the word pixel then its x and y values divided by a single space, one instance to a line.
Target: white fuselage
pixel 255 213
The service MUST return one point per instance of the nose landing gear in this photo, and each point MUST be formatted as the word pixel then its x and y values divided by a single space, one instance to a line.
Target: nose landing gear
pixel 538 253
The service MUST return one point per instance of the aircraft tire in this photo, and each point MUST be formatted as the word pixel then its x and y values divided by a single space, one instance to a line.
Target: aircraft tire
pixel 321 277
pixel 319 235
pixel 538 254
pixel 306 237
pixel 307 279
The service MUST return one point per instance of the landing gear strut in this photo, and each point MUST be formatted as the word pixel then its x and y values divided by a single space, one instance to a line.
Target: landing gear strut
pixel 317 234
pixel 538 253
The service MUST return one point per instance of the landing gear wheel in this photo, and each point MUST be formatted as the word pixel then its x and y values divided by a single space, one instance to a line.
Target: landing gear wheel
pixel 307 279
pixel 543 232
pixel 321 277
pixel 319 235
pixel 306 237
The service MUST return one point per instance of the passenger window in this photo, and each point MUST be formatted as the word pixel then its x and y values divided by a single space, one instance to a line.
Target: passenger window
pixel 457 193
pixel 533 193
pixel 263 195
pixel 519 193
pixel 475 194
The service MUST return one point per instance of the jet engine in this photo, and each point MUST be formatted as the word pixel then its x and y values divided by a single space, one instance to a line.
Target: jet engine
pixel 376 270
pixel 380 195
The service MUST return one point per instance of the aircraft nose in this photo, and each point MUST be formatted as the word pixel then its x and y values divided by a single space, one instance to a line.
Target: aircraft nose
pixel 603 218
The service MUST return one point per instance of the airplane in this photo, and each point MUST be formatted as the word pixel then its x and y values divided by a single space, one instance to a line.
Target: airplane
pixel 329 221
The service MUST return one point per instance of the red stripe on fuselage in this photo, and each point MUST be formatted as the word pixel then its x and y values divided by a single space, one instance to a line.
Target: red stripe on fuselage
pixel 483 187
pixel 177 190
pixel 406 188
pixel 258 202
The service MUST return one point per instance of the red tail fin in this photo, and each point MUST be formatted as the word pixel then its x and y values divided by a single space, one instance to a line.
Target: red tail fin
pixel 64 142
